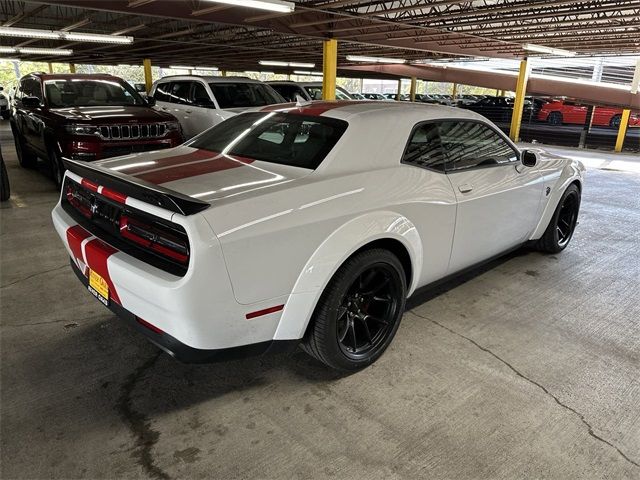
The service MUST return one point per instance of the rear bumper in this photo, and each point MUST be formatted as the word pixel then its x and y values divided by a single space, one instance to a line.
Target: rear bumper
pixel 184 353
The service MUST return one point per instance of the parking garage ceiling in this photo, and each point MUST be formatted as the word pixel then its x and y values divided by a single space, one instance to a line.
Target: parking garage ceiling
pixel 204 33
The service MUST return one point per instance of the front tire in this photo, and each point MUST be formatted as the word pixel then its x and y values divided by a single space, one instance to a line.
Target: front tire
pixel 57 167
pixel 563 222
pixel 359 312
pixel 555 118
pixel 26 159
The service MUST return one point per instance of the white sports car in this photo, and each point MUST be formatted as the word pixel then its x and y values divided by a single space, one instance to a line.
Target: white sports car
pixel 306 224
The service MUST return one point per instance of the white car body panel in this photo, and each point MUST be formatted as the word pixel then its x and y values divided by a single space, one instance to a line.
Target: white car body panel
pixel 275 235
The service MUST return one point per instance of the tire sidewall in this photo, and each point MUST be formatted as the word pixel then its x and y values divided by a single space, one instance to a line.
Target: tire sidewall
pixel 571 190
pixel 335 293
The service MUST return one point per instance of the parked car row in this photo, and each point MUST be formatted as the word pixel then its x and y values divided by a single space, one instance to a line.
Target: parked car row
pixel 92 116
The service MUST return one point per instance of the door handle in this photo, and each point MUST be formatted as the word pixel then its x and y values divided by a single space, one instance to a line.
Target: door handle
pixel 188 111
pixel 465 188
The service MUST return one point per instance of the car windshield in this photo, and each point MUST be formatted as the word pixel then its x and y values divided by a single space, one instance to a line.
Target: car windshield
pixel 287 139
pixel 316 93
pixel 244 95
pixel 79 92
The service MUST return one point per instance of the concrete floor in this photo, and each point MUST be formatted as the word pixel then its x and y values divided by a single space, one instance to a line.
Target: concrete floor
pixel 529 368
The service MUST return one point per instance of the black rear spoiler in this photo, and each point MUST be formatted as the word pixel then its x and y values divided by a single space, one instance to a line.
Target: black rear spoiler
pixel 135 188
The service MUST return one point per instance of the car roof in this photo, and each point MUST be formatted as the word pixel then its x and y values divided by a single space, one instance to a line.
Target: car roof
pixel 208 79
pixel 409 112
pixel 69 76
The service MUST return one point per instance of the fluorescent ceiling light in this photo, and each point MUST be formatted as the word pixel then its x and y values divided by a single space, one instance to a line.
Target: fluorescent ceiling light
pixel 259 73
pixel 182 67
pixel 271 5
pixel 358 58
pixel 36 51
pixel 304 72
pixel 277 63
pixel 61 35
pixel 9 60
pixel 553 51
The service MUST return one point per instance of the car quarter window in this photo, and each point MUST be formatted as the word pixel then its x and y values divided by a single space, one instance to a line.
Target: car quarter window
pixel 473 144
pixel 424 148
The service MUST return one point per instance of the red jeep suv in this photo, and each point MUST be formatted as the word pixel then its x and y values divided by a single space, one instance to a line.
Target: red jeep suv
pixel 85 117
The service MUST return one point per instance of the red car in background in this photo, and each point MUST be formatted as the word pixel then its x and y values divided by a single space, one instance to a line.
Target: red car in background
pixel 557 112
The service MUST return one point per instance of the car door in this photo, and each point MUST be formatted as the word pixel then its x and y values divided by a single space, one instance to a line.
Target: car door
pixel 202 111
pixel 32 118
pixel 182 107
pixel 498 198
pixel 162 96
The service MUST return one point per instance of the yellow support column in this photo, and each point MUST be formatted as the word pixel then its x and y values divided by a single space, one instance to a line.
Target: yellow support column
pixel 412 89
pixel 622 131
pixel 626 113
pixel 50 67
pixel 148 80
pixel 518 105
pixel 454 92
pixel 223 73
pixel 72 68
pixel 329 68
pixel 399 89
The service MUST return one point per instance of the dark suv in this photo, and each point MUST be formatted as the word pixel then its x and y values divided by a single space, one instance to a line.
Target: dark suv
pixel 85 117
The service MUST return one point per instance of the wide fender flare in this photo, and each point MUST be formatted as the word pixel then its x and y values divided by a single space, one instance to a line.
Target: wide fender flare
pixel 569 174
pixel 333 252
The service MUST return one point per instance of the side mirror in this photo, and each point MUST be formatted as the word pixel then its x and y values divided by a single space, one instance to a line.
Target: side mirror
pixel 150 101
pixel 529 158
pixel 30 102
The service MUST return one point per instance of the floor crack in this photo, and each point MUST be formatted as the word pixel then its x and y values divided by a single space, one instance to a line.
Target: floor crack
pixel 533 382
pixel 139 424
pixel 34 275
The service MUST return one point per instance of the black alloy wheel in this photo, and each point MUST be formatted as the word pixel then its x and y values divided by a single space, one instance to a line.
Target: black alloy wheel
pixel 615 121
pixel 563 222
pixel 367 311
pixel 567 218
pixel 359 311
pixel 57 167
pixel 555 118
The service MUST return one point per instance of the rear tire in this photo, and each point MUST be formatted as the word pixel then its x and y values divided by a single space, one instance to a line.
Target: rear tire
pixel 359 312
pixel 615 121
pixel 26 159
pixel 562 223
pixel 6 114
pixel 5 191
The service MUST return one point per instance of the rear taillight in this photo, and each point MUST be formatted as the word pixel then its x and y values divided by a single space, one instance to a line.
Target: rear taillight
pixel 154 238
pixel 77 200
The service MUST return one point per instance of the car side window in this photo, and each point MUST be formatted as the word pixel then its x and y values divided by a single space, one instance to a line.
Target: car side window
pixel 425 149
pixel 181 93
pixel 199 95
pixel 162 93
pixel 472 144
pixel 31 88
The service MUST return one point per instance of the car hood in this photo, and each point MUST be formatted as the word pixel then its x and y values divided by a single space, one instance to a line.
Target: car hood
pixel 112 114
pixel 203 174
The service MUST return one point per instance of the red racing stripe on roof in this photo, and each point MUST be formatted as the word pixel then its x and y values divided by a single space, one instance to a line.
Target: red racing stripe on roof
pixel 196 154
pixel 313 108
pixel 180 172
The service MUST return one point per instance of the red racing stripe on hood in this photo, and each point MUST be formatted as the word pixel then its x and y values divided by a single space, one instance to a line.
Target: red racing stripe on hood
pixel 97 253
pixel 75 236
pixel 180 172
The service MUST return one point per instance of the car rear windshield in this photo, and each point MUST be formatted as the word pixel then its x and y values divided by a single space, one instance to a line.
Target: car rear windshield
pixel 77 92
pixel 239 95
pixel 287 139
